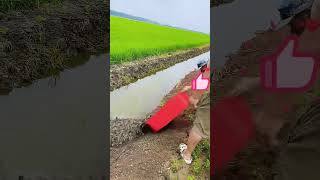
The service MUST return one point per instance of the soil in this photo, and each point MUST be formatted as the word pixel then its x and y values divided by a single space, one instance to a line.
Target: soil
pixel 126 73
pixel 148 157
pixel 40 42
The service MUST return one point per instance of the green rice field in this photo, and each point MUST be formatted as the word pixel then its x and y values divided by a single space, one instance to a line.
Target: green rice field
pixel 134 40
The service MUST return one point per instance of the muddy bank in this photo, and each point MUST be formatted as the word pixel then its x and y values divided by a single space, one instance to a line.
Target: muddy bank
pixel 124 74
pixel 123 130
pixel 41 42
pixel 148 157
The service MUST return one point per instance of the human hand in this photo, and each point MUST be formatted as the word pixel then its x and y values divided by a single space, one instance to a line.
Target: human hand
pixel 245 84
pixel 193 101
pixel 186 88
pixel 266 107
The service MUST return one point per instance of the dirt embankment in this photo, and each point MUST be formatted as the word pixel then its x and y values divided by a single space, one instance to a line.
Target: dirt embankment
pixel 41 42
pixel 124 74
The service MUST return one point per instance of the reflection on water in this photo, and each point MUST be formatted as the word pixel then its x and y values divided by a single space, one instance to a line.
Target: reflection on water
pixel 57 125
pixel 234 23
pixel 140 98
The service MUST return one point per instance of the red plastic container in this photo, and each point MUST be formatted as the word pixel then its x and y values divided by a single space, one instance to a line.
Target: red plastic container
pixel 174 107
pixel 231 130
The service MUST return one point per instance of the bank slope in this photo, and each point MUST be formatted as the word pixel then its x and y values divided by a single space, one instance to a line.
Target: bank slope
pixel 132 40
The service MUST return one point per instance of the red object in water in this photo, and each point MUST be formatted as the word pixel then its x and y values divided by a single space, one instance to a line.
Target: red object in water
pixel 232 128
pixel 175 106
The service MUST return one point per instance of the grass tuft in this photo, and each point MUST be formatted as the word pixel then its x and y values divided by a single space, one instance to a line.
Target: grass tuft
pixel 197 166
pixel 3 30
pixel 176 165
pixel 40 19
pixel 191 178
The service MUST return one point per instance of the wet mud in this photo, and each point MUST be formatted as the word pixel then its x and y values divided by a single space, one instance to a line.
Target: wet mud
pixel 123 130
pixel 41 42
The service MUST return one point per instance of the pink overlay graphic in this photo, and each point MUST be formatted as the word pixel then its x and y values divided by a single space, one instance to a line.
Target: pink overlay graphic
pixel 288 70
pixel 200 83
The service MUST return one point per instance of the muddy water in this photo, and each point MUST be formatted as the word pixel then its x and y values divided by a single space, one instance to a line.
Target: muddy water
pixel 234 23
pixel 138 99
pixel 54 125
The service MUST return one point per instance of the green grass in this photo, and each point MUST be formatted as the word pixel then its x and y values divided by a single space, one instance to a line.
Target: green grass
pixel 201 156
pixel 132 40
pixel 176 165
pixel 6 5
pixel 200 167
pixel 191 178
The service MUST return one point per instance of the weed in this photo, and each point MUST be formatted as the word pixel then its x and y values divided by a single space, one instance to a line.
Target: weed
pixel 206 165
pixel 190 117
pixel 40 19
pixel 128 79
pixel 191 178
pixel 176 165
pixel 3 30
pixel 162 102
pixel 197 166
pixel 55 58
pixel 202 148
pixel 197 152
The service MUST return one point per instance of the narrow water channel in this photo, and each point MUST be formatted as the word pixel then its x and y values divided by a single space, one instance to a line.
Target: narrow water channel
pixel 138 99
pixel 57 125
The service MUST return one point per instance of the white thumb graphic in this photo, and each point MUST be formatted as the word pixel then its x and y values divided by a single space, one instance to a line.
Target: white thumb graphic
pixel 288 69
pixel 293 72
pixel 200 83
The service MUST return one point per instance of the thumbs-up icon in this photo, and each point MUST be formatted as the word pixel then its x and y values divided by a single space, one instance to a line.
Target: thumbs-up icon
pixel 288 70
pixel 200 83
